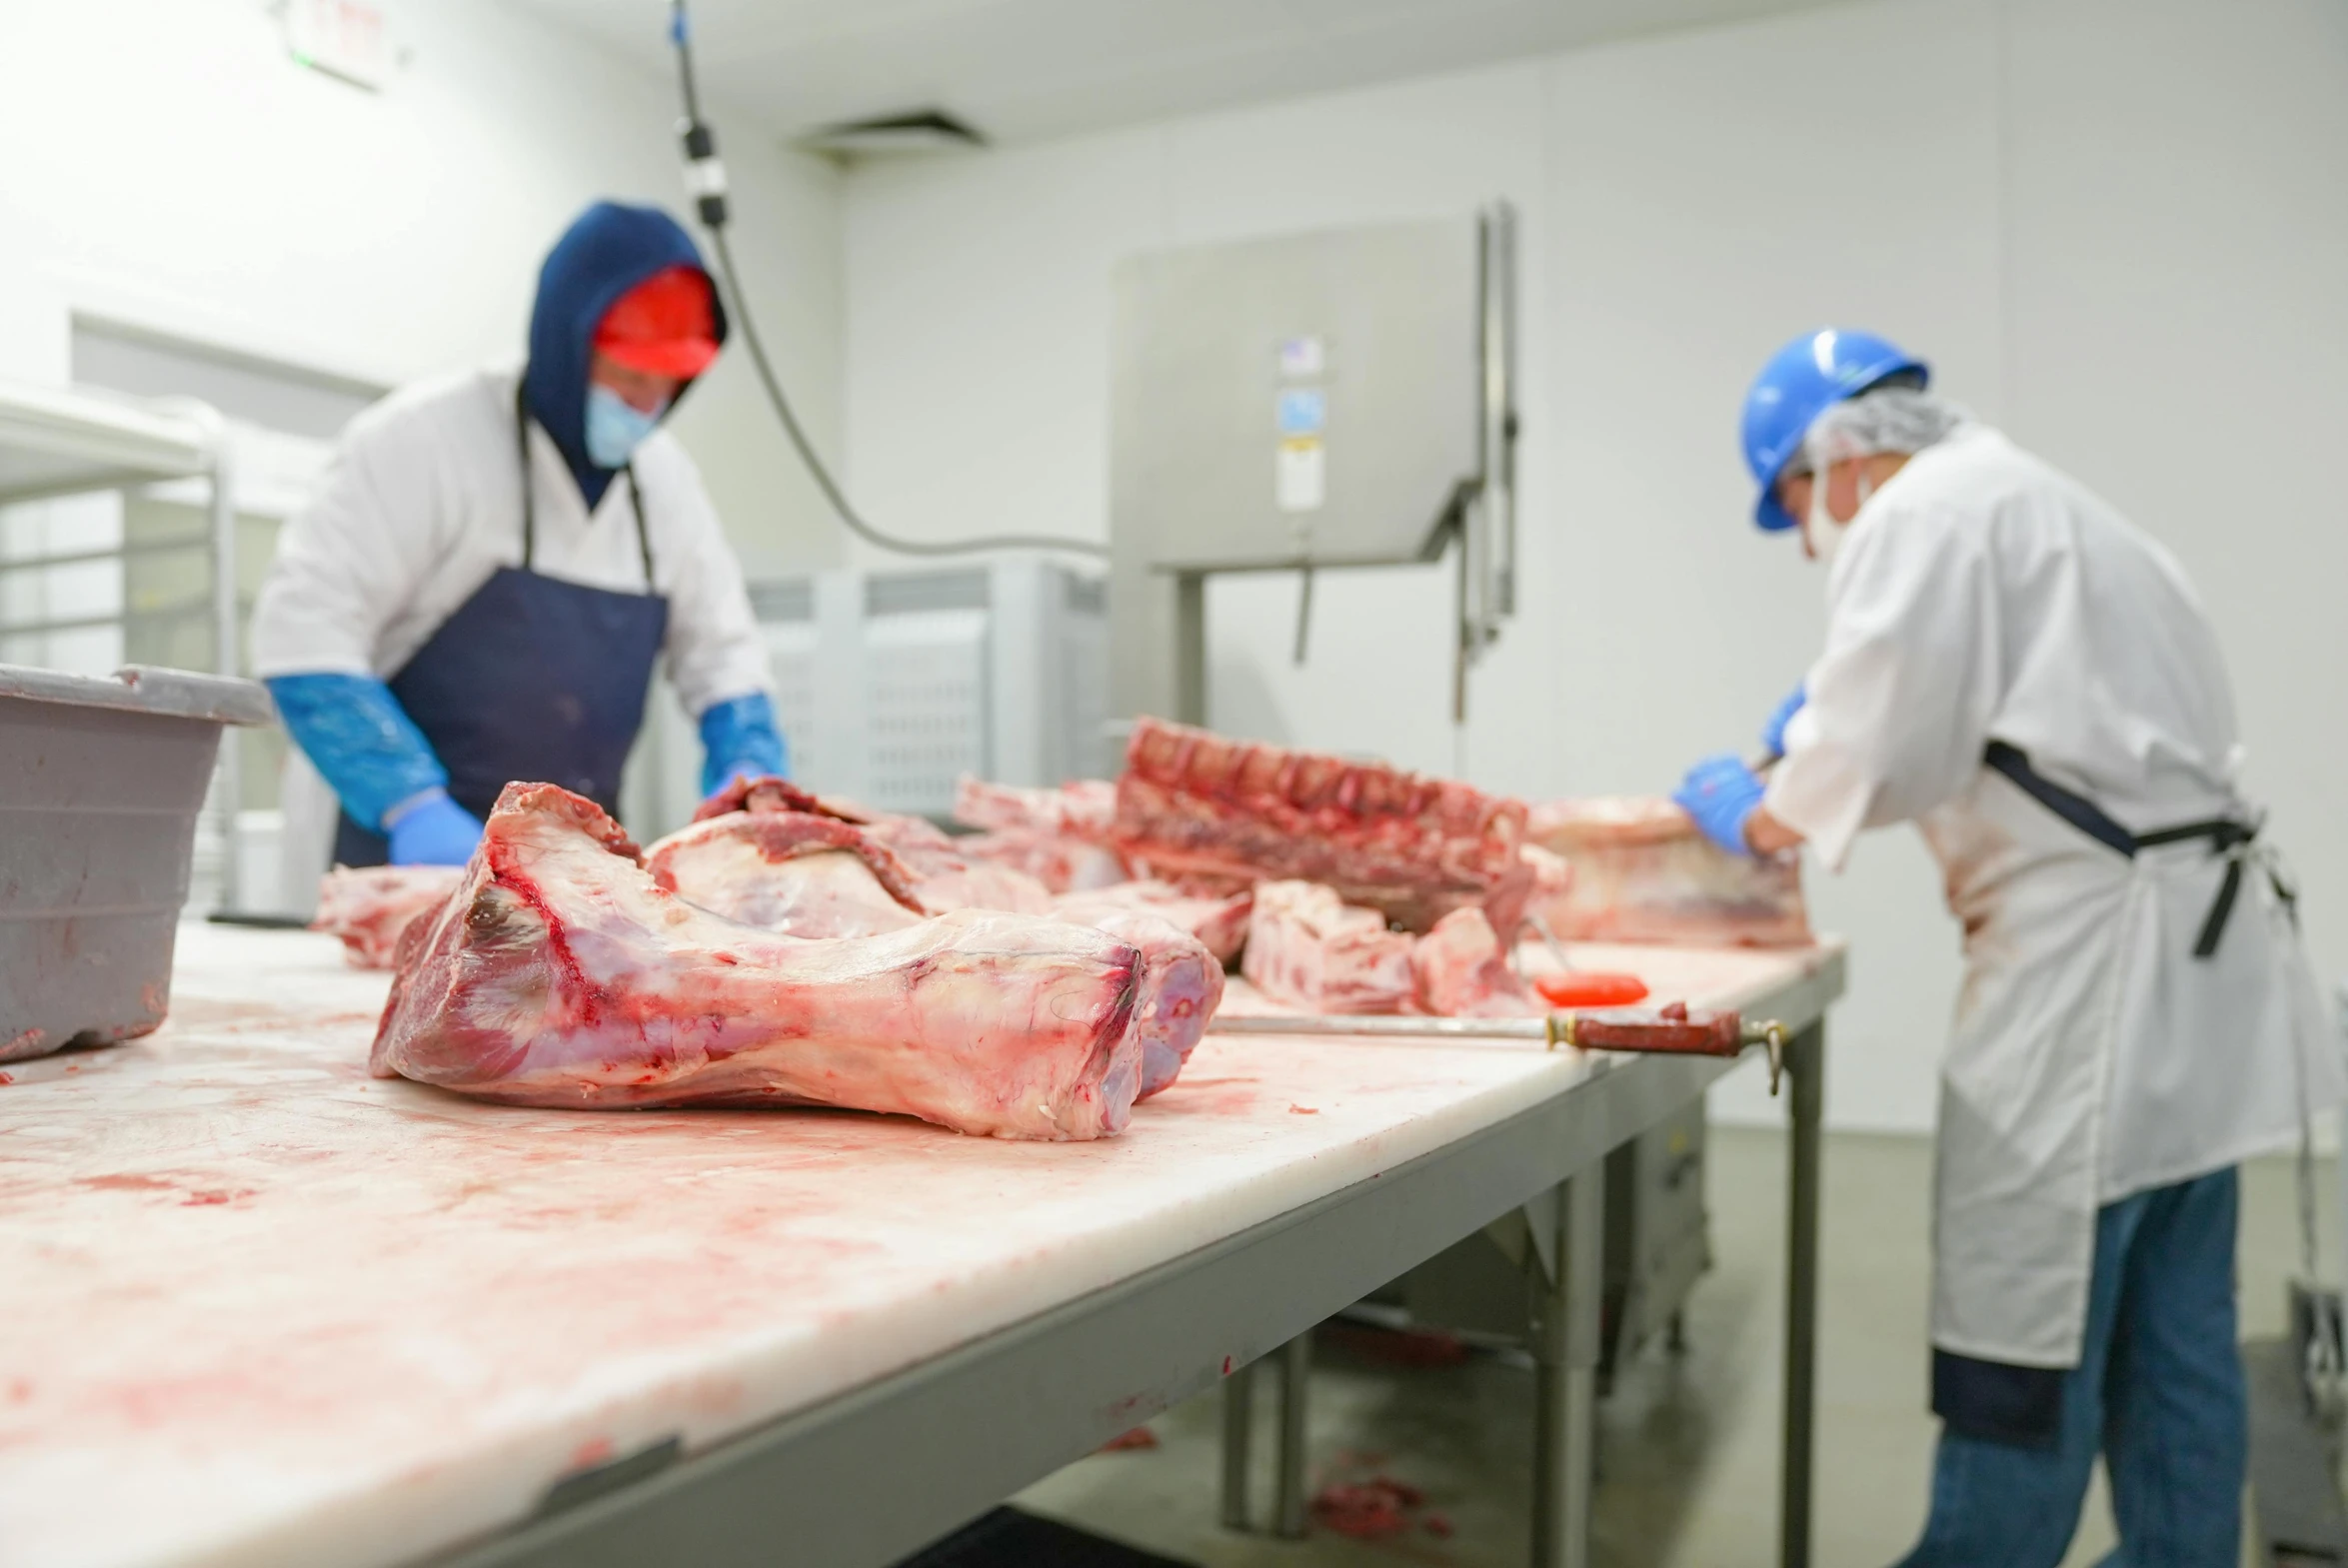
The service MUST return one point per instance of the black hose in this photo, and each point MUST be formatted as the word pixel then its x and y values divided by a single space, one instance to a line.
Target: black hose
pixel 700 144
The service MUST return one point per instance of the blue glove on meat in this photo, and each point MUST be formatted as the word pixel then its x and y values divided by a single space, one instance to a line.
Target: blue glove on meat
pixel 432 829
pixel 1773 732
pixel 740 736
pixel 1720 792
pixel 360 741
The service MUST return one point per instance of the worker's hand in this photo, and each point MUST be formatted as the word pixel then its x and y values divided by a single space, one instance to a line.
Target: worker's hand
pixel 1773 732
pixel 739 738
pixel 1720 792
pixel 432 829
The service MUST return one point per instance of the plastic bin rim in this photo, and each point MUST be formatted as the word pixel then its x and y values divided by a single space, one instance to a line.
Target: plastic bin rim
pixel 145 688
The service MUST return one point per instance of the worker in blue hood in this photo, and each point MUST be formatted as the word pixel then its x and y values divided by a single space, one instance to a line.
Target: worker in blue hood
pixel 482 587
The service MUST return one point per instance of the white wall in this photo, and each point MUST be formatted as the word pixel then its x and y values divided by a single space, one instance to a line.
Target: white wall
pixel 2117 228
pixel 171 166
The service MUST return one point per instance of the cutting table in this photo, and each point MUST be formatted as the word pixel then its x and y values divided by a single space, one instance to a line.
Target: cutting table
pixel 261 1308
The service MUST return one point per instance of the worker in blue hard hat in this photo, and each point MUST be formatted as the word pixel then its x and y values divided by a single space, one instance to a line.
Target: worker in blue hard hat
pixel 2014 667
pixel 484 584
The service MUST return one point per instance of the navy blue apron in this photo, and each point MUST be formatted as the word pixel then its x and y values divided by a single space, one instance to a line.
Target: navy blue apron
pixel 532 679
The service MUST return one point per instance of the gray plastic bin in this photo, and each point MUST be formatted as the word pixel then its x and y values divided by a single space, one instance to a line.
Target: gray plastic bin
pixel 101 781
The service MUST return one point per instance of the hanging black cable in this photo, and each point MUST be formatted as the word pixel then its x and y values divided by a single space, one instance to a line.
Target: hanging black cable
pixel 706 177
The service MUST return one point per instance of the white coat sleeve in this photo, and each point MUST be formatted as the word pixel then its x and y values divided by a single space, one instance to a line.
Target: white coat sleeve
pixel 353 557
pixel 1902 702
pixel 715 650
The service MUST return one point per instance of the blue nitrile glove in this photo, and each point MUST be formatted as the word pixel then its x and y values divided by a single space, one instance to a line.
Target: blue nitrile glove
pixel 1773 732
pixel 1720 792
pixel 739 736
pixel 432 829
pixel 360 740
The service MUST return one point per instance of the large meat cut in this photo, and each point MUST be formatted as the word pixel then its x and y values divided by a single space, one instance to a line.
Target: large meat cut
pixel 790 871
pixel 561 974
pixel 773 865
pixel 1193 803
pixel 1059 837
pixel 1309 948
pixel 1182 985
pixel 920 859
pixel 370 907
pixel 1085 807
pixel 1642 872
pixel 1218 920
pixel 1462 972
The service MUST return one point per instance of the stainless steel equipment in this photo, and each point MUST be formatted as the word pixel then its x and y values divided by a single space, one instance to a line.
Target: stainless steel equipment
pixel 1339 399
pixel 892 685
pixel 101 783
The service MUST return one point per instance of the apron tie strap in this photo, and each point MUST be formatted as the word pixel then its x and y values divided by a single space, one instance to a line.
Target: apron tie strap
pixel 2234 840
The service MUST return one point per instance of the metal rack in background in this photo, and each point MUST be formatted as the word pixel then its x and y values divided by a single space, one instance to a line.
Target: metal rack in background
pixel 57 442
pixel 892 685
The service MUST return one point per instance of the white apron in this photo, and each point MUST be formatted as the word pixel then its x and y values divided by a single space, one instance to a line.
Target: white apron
pixel 2091 1052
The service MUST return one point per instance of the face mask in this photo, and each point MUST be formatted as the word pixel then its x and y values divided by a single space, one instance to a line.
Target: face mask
pixel 1826 535
pixel 614 427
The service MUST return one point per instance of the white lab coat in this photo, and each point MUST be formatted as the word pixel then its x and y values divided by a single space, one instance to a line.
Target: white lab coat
pixel 1979 595
pixel 422 503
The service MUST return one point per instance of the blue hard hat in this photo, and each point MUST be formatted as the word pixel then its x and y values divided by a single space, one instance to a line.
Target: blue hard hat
pixel 1798 384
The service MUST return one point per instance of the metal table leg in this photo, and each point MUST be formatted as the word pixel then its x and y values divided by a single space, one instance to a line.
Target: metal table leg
pixel 1295 1377
pixel 1568 1283
pixel 1805 1065
pixel 1238 1430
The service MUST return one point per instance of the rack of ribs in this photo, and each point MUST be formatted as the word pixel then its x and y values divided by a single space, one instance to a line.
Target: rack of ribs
pixel 561 974
pixel 1194 805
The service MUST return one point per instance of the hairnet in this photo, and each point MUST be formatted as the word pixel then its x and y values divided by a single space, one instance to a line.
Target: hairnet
pixel 1901 419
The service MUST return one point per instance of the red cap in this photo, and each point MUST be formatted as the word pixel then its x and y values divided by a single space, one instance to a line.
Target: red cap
pixel 664 326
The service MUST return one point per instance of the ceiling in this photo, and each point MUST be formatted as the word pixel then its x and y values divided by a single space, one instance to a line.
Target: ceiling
pixel 1025 70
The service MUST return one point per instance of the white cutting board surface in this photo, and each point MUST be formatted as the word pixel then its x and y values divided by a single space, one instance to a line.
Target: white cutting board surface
pixel 255 1306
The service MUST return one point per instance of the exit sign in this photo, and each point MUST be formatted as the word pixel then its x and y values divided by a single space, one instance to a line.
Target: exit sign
pixel 345 38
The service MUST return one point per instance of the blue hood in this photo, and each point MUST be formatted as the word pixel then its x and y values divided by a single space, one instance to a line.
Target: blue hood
pixel 608 250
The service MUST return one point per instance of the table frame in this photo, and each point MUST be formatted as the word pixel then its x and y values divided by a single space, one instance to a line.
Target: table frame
pixel 865 1478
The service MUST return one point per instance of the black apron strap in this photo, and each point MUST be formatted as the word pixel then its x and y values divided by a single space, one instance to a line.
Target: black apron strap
pixel 2223 834
pixel 522 451
pixel 529 506
pixel 643 529
pixel 2076 809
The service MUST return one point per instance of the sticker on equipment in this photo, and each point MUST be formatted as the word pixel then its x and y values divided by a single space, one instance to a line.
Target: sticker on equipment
pixel 1302 481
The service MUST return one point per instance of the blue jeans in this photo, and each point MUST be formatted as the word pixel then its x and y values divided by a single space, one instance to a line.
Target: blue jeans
pixel 2158 1392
